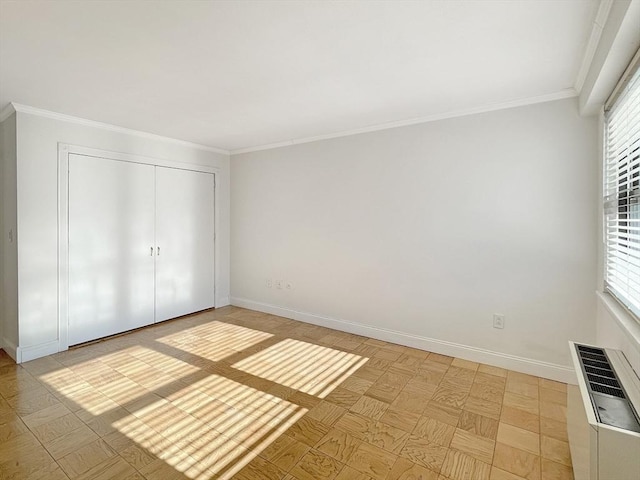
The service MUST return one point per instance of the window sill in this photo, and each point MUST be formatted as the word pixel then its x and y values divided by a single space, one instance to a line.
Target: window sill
pixel 625 321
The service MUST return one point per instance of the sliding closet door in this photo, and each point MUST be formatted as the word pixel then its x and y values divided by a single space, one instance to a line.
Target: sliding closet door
pixel 185 241
pixel 111 235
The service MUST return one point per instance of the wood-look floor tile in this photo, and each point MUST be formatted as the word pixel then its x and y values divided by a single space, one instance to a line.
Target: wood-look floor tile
pixel 369 407
pixel 369 373
pixel 372 461
pixel 315 465
pixel 520 418
pixel 26 403
pixel 409 402
pixel 487 392
pixel 45 415
pixel 555 396
pixel 423 452
pixel 338 444
pixel 552 385
pixel 136 456
pixel 521 377
pixel 443 413
pixel 499 474
pixel 404 469
pixel 119 468
pixel 521 402
pixel 85 458
pixel 431 375
pixel 519 438
pixel 556 450
pixel 492 380
pixel 305 400
pixel 554 411
pixel 58 427
pixel 11 429
pixel 555 471
pixel 450 396
pixel 434 431
pixel 49 472
pixel 348 473
pixel 483 407
pixel 308 431
pixel 478 425
pixel 342 397
pixel 400 419
pixel 522 388
pixel 405 414
pixel 516 461
pixel 355 424
pixel 553 428
pixel 260 469
pixel 22 456
pixel 459 362
pixel 326 412
pixel 480 448
pixel 383 392
pixel 420 388
pixel 357 385
pixel 444 359
pixel 491 370
pixel 461 466
pixel 386 437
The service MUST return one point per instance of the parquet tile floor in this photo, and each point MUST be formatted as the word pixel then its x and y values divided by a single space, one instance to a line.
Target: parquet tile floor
pixel 232 393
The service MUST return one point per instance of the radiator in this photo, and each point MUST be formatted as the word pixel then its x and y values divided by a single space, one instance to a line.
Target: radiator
pixel 602 415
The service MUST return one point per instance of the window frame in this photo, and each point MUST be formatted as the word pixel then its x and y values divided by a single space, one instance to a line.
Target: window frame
pixel 625 202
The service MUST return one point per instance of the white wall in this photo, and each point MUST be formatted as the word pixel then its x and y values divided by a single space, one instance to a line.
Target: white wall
pixel 419 234
pixel 8 248
pixel 37 179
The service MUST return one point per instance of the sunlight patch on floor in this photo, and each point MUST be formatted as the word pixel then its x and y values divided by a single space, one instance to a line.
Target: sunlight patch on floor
pixel 310 368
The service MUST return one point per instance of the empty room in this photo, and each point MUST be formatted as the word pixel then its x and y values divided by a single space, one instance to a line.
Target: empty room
pixel 320 240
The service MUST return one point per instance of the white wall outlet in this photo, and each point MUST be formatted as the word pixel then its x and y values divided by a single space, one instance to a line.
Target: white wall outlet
pixel 289 286
pixel 279 284
pixel 269 283
pixel 498 320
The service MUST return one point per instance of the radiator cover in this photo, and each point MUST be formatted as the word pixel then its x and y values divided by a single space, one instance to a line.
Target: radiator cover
pixel 602 415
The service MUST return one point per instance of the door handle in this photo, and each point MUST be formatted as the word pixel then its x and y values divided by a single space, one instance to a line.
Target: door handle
pixel 152 251
pixel 158 250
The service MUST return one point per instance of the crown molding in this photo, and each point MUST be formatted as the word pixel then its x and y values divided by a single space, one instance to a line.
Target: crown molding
pixel 562 94
pixel 592 43
pixel 16 107
pixel 7 112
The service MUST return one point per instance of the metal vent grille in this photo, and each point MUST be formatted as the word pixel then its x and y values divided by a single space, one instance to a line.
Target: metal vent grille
pixel 608 397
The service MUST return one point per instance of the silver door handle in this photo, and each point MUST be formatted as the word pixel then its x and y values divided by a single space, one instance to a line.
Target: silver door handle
pixel 158 251
pixel 152 251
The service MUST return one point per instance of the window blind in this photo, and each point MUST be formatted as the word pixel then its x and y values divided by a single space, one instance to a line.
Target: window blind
pixel 622 195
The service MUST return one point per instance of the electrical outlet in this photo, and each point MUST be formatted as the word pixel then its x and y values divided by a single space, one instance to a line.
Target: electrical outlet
pixel 279 284
pixel 269 283
pixel 498 320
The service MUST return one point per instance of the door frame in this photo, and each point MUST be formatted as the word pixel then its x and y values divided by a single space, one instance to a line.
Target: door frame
pixel 64 150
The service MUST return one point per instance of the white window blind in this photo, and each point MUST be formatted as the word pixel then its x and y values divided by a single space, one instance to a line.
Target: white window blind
pixel 622 195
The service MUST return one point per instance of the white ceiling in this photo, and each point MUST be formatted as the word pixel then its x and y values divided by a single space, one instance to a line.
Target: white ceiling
pixel 246 73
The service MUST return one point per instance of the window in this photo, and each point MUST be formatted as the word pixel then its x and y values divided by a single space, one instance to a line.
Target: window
pixel 622 193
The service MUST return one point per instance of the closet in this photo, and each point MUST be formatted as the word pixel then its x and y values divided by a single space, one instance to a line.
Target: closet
pixel 140 245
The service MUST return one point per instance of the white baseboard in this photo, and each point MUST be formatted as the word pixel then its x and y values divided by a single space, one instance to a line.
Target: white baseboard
pixel 11 349
pixel 538 368
pixel 24 354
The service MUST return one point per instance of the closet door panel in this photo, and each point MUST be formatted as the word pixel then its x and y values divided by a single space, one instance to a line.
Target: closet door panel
pixel 111 233
pixel 185 241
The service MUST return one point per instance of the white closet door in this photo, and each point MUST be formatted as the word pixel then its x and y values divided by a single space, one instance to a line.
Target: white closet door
pixel 111 233
pixel 185 242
